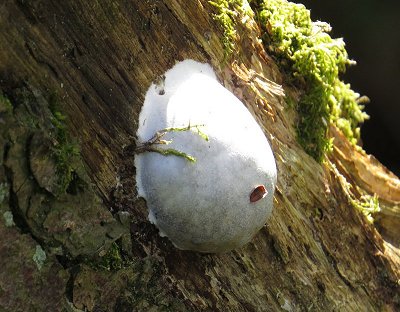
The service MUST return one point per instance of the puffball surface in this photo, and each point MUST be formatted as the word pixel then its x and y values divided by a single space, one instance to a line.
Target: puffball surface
pixel 203 206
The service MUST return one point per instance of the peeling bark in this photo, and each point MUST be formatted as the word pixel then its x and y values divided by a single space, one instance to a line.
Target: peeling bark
pixel 316 253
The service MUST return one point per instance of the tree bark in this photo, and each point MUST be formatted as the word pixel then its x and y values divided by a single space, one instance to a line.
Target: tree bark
pixel 74 235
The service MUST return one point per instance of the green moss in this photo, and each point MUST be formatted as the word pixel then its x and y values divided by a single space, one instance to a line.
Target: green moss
pixel 113 260
pixel 226 13
pixel 368 205
pixel 5 105
pixel 314 59
pixel 64 150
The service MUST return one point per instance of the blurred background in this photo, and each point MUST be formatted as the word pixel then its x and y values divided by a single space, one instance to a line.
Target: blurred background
pixel 371 30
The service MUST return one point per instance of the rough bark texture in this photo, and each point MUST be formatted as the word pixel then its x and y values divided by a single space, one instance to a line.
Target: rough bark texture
pixel 75 236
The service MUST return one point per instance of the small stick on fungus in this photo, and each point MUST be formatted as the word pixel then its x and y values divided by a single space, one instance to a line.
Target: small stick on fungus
pixel 149 146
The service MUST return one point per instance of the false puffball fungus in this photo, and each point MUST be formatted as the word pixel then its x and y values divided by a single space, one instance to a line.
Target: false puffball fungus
pixel 203 164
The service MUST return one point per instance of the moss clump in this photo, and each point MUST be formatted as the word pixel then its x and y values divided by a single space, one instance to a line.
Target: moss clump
pixel 368 205
pixel 313 57
pixel 227 11
pixel 113 260
pixel 64 151
pixel 5 105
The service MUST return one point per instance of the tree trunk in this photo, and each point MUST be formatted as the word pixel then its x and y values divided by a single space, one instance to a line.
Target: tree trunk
pixel 74 235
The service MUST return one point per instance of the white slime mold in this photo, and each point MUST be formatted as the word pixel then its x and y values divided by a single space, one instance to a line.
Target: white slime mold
pixel 218 202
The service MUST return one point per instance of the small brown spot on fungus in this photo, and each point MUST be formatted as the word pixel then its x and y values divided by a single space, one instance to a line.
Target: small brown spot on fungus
pixel 258 193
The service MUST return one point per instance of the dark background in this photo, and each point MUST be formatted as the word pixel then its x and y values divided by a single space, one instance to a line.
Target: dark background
pixel 371 30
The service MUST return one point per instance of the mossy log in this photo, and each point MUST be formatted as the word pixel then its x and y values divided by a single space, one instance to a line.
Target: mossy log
pixel 74 235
